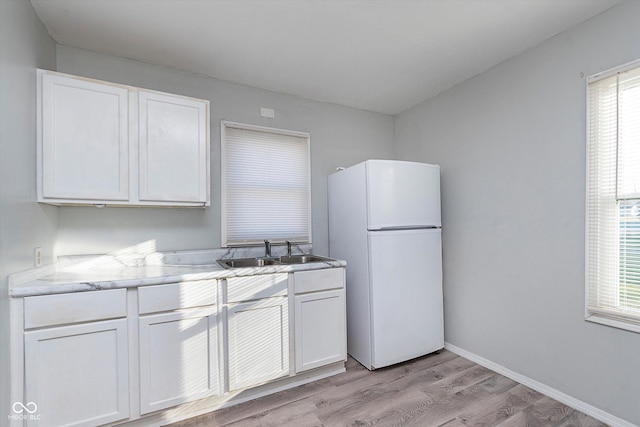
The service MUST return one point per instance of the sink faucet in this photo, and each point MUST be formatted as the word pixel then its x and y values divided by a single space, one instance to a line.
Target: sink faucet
pixel 288 248
pixel 267 248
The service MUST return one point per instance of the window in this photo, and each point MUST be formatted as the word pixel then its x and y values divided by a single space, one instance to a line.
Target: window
pixel 613 198
pixel 265 185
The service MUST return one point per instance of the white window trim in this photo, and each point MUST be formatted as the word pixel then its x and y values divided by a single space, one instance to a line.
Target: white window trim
pixel 223 173
pixel 591 315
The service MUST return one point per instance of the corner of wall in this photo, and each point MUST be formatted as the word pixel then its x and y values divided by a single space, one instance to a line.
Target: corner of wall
pixel 24 224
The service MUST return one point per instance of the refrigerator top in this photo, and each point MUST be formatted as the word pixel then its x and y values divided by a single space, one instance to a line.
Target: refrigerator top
pixel 391 162
pixel 402 195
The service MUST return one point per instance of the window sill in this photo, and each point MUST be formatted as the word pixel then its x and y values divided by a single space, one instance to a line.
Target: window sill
pixel 628 325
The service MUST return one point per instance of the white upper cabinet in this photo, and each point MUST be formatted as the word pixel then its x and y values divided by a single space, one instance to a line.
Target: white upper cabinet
pixel 85 135
pixel 104 143
pixel 173 148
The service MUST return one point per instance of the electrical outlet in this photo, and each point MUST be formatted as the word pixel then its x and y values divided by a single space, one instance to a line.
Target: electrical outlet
pixel 37 257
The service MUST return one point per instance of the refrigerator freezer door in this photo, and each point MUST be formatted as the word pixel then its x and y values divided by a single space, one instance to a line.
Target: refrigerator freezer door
pixel 402 194
pixel 406 294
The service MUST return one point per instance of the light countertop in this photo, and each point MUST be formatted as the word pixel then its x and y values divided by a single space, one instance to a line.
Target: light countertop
pixel 113 272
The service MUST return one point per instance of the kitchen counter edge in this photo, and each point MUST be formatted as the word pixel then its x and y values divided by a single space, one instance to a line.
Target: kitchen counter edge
pixel 20 285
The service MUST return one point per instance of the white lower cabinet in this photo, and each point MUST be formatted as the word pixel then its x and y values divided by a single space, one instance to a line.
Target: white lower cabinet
pixel 320 329
pixel 320 318
pixel 77 375
pixel 178 358
pixel 258 342
pixel 83 354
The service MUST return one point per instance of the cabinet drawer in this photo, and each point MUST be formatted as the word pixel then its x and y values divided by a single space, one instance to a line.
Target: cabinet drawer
pixel 175 296
pixel 318 280
pixel 255 287
pixel 50 310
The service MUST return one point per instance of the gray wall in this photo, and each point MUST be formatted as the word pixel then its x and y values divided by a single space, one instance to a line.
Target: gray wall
pixel 24 225
pixel 340 136
pixel 511 143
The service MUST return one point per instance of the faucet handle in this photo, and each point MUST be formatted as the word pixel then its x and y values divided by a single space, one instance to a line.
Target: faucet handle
pixel 267 247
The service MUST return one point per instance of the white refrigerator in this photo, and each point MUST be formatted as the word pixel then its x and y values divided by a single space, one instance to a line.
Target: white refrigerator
pixel 384 220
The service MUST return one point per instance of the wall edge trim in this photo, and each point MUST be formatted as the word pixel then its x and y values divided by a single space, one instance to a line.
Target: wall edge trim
pixel 561 397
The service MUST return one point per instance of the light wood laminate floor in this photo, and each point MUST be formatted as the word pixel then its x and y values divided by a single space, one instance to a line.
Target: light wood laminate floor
pixel 436 390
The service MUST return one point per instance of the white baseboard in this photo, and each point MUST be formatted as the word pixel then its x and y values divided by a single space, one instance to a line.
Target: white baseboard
pixel 561 397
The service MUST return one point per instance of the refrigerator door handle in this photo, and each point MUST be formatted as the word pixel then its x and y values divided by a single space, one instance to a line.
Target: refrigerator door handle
pixel 414 227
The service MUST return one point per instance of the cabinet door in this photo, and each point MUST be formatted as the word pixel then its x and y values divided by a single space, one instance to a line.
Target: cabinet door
pixel 178 358
pixel 258 342
pixel 174 148
pixel 320 329
pixel 84 140
pixel 78 375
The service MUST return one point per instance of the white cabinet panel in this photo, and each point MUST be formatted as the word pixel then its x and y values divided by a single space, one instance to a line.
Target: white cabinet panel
pixel 53 310
pixel 173 148
pixel 78 375
pixel 320 329
pixel 174 296
pixel 318 280
pixel 258 342
pixel 248 288
pixel 85 145
pixel 178 358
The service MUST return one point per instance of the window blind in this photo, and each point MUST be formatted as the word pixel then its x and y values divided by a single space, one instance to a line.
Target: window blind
pixel 265 189
pixel 613 196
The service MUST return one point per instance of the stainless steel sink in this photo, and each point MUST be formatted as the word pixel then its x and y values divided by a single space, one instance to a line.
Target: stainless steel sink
pixel 247 262
pixel 302 259
pixel 263 262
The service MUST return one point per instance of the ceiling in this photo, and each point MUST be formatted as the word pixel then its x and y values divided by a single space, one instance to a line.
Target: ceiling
pixel 378 55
